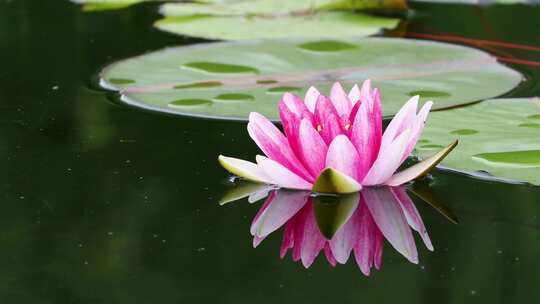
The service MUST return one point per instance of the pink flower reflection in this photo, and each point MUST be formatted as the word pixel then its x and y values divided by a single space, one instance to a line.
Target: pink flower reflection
pixel 357 223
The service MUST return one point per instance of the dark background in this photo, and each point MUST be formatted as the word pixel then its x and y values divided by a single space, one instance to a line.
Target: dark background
pixel 102 203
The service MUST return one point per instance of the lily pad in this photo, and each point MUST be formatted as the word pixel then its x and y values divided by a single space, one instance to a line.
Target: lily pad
pixel 274 8
pixel 327 24
pixel 257 19
pixel 503 144
pixel 231 79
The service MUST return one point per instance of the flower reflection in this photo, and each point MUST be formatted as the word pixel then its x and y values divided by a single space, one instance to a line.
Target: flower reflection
pixel 341 225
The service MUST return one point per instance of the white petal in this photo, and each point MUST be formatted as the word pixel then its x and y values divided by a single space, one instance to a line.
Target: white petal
pixel 244 169
pixel 421 168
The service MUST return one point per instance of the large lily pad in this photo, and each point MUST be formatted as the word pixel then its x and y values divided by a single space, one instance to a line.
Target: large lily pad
pixel 500 136
pixel 329 24
pixel 231 79
pixel 271 8
pixel 264 19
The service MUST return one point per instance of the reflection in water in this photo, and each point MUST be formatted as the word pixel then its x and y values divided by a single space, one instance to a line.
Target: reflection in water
pixel 337 225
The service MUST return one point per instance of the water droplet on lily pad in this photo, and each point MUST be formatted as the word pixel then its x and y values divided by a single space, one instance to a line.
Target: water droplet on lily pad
pixel 202 84
pixel 529 158
pixel 284 89
pixel 235 97
pixel 530 125
pixel 121 80
pixel 190 102
pixel 534 117
pixel 464 132
pixel 219 68
pixel 429 94
pixel 327 46
pixel 423 141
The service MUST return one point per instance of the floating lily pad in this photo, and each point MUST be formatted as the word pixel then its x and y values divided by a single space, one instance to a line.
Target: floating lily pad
pixel 499 144
pixel 263 70
pixel 324 24
pixel 258 19
pixel 274 8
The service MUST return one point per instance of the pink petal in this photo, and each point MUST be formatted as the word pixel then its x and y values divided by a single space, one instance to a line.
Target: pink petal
pixel 257 240
pixel 375 110
pixel 298 231
pixel 390 219
pixel 296 105
pixel 354 112
pixel 288 238
pixel 327 119
pixel 387 162
pixel 354 94
pixel 340 100
pixel 412 215
pixel 282 176
pixel 291 125
pixel 329 255
pixel 343 241
pixel 313 241
pixel 263 208
pixel 366 131
pixel 417 129
pixel 366 94
pixel 274 144
pixel 365 139
pixel 403 120
pixel 312 148
pixel 311 97
pixel 363 248
pixel 342 156
pixel 379 246
pixel 284 205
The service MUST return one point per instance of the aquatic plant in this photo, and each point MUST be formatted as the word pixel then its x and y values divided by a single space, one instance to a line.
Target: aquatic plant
pixel 336 144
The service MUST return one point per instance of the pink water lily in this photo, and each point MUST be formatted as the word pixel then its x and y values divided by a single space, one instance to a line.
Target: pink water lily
pixel 336 143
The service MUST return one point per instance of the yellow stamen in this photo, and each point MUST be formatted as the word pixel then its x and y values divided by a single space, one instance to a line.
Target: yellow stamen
pixel 319 128
pixel 347 126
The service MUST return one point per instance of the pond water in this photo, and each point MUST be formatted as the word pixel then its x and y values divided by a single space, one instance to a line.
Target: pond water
pixel 103 203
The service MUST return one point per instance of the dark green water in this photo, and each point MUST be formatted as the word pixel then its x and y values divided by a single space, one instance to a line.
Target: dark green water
pixel 101 203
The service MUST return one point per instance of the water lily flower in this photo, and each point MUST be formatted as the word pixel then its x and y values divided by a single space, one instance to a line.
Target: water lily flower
pixel 353 224
pixel 335 144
